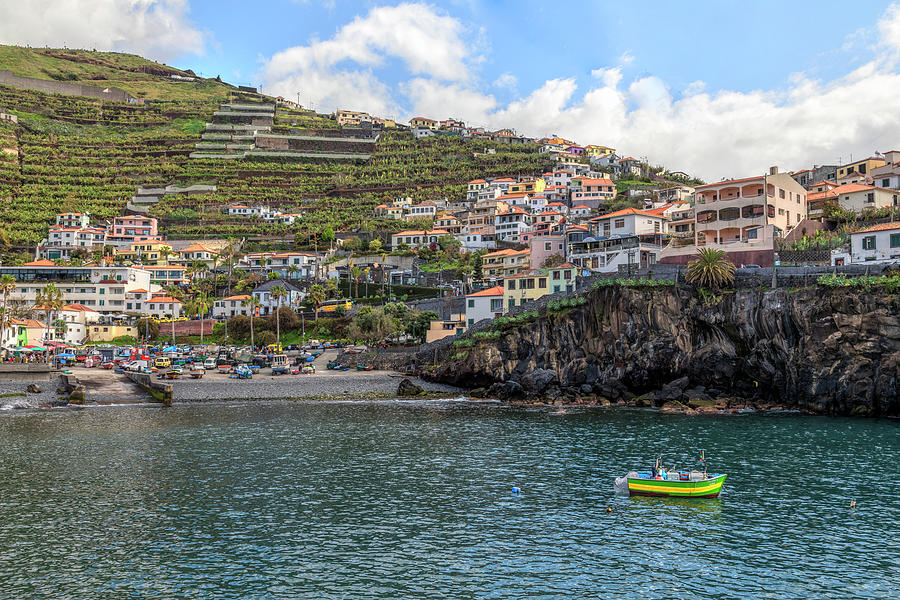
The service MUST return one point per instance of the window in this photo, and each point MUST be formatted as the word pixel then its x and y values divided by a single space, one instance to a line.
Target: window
pixel 556 274
pixel 529 283
pixel 619 223
pixel 885 183
pixel 512 302
pixel 568 275
pixel 471 303
pixel 752 234
pixel 555 288
pixel 547 246
pixel 868 242
pixel 781 193
pixel 511 284
pixel 870 197
pixel 780 211
pixel 542 282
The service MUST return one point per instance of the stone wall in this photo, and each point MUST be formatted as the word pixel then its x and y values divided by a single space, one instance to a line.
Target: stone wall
pixel 59 87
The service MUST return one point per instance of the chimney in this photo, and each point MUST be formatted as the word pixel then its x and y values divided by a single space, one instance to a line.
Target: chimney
pixel 773 170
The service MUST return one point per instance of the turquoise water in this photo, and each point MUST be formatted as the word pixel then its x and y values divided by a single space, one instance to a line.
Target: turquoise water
pixel 291 500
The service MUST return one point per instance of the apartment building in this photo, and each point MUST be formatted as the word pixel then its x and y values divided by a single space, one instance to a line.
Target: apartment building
pixel 102 289
pixel 231 306
pixel 484 304
pixel 743 217
pixel 416 238
pixel 591 192
pixel 134 228
pixel 526 286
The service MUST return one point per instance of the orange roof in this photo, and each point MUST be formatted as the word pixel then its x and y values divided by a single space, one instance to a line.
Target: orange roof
pixel 422 232
pixel 137 291
pixel 198 248
pixel 581 206
pixel 850 188
pixel 75 307
pixel 31 323
pixel 503 252
pixel 494 291
pixel 239 297
pixel 881 227
pixel 728 181
pixel 168 299
pixel 503 180
pixel 825 182
pixel 478 181
pixel 579 227
pixel 629 211
pixel 591 181
pixel 40 263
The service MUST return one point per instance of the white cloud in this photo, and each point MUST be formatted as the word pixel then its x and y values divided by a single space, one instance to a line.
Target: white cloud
pixel 427 42
pixel 711 134
pixel 157 29
pixel 626 58
pixel 506 80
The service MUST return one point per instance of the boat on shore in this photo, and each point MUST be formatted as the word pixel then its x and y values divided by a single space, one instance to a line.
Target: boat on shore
pixel 673 483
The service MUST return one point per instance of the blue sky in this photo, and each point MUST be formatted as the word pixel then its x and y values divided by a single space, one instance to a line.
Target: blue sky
pixel 718 88
pixel 729 45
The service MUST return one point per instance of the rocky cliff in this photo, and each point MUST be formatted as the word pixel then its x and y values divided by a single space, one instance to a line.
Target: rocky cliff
pixel 831 352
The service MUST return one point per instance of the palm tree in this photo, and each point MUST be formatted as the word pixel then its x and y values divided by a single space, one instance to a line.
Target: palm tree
pixel 355 272
pixel 200 304
pixel 711 269
pixel 49 299
pixel 292 271
pixel 278 292
pixel 253 304
pixel 317 297
pixel 164 252
pixel 7 286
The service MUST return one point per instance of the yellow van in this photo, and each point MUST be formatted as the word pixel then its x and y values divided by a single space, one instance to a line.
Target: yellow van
pixel 163 362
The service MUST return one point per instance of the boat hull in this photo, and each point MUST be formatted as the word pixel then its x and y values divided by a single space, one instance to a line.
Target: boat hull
pixel 673 488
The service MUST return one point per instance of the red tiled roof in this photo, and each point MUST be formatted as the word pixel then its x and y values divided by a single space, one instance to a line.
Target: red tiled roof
pixel 421 232
pixel 629 211
pixel 881 227
pixel 494 291
pixel 40 263
pixel 163 299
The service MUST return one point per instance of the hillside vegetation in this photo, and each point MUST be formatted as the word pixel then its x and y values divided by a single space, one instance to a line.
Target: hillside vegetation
pixel 71 153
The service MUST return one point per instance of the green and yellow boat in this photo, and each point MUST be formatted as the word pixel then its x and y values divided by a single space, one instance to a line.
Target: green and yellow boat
pixel 674 483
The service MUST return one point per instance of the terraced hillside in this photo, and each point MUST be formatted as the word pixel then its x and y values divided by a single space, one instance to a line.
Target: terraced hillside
pixel 90 155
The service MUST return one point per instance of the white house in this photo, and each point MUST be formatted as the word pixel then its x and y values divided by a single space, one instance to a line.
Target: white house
pixel 416 238
pixel 476 241
pixel 231 306
pixel 856 197
pixel 162 306
pixel 293 297
pixel 629 221
pixel 510 225
pixel 76 318
pixel 486 304
pixel 878 244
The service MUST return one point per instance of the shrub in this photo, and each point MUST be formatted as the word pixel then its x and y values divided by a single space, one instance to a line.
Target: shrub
pixel 264 338
pixel 460 355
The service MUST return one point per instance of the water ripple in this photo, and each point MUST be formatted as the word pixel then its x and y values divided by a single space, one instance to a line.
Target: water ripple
pixel 412 500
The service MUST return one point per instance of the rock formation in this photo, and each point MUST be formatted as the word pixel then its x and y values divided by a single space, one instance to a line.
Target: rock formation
pixel 826 351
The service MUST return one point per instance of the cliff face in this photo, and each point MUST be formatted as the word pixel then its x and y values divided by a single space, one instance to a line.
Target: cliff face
pixel 834 352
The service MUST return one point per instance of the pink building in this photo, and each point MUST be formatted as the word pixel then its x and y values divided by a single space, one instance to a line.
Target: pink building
pixel 134 228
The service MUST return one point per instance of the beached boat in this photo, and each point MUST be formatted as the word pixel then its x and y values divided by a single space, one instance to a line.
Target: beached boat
pixel 673 483
pixel 197 373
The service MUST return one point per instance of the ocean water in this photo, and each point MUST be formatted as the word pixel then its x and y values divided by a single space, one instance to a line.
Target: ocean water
pixel 414 500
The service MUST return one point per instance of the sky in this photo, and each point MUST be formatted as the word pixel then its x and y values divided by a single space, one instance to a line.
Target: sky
pixel 720 88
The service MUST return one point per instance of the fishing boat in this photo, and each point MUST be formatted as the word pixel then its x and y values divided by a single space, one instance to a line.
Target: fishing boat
pixel 197 373
pixel 660 481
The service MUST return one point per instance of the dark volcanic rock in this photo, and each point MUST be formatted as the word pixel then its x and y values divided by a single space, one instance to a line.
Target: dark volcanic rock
pixel 407 388
pixel 34 388
pixel 826 351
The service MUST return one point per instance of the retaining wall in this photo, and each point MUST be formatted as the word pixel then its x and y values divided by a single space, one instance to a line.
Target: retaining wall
pixel 161 392
pixel 59 87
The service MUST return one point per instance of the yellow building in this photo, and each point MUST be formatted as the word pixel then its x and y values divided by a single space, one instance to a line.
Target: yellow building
pixel 531 285
pixel 503 263
pixel 859 169
pixel 595 150
pixel 440 329
pixel 423 122
pixel 98 332
pixel 146 253
pixel 528 186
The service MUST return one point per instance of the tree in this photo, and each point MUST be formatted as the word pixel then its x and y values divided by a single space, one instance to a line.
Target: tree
pixel 328 234
pixel 317 297
pixel 50 299
pixel 164 252
pixel 355 272
pixel 278 292
pixel 253 304
pixel 417 323
pixel 375 245
pixel 200 304
pixel 148 327
pixel 710 269
pixel 266 337
pixel 7 286
pixel 372 324
pixel 450 245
